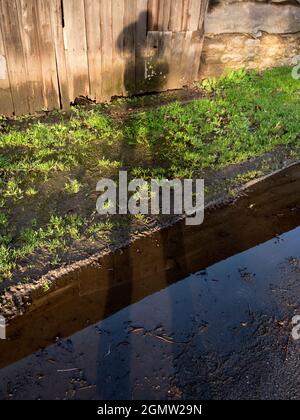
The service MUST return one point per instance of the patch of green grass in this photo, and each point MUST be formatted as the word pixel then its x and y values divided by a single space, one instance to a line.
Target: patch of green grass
pixel 12 189
pixel 108 164
pixel 248 176
pixel 55 237
pixel 248 115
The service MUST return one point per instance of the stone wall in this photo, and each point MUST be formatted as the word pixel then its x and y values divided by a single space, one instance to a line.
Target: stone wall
pixel 250 34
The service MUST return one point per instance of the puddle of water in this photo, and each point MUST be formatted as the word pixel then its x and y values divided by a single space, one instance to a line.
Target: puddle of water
pixel 220 333
pixel 100 289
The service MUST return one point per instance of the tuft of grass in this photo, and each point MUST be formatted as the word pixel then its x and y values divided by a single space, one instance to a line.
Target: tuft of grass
pixel 31 192
pixel 73 187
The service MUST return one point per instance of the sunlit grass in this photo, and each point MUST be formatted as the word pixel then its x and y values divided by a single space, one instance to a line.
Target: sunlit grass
pixel 44 164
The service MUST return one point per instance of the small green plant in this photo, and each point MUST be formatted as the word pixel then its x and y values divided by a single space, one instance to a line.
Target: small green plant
pixel 100 227
pixel 46 286
pixel 3 220
pixel 55 262
pixel 13 190
pixel 73 187
pixel 141 218
pixel 31 192
pixel 209 85
pixel 108 164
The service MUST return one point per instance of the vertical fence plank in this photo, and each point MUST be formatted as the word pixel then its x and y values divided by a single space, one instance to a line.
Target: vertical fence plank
pixel 159 63
pixel 153 11
pixel 129 45
pixel 194 56
pixel 28 28
pixel 175 64
pixel 6 103
pixel 186 7
pixel 176 16
pixel 76 48
pixel 118 69
pixel 160 15
pixel 196 51
pixel 167 14
pixel 186 59
pixel 57 23
pixel 165 47
pixel 198 40
pixel 168 53
pixel 140 44
pixel 203 11
pixel 47 56
pixel 15 56
pixel 93 31
pixel 193 15
pixel 106 48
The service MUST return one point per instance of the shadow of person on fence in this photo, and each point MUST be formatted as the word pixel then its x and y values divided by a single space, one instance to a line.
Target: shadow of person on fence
pixel 146 70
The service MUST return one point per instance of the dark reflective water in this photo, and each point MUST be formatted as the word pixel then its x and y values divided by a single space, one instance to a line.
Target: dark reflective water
pixel 98 288
pixel 221 333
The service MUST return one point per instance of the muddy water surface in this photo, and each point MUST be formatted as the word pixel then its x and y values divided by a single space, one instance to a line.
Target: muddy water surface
pixel 223 332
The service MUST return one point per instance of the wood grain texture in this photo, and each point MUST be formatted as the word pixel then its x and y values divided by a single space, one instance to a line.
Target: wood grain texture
pixel 14 52
pixel 47 56
pixel 193 15
pixel 27 17
pixel 175 24
pixel 75 44
pixel 153 14
pixel 6 102
pixel 57 23
pixel 106 48
pixel 94 53
pixel 118 68
pixel 53 51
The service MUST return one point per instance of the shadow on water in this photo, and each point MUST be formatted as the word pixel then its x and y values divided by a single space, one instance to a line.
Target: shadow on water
pixel 221 333
pixel 158 336
pixel 119 279
pixel 144 72
pixel 170 245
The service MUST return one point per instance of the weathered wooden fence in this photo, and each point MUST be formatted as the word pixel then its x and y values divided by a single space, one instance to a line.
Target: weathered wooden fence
pixel 52 51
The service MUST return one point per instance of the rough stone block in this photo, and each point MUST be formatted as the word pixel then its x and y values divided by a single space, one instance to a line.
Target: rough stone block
pixel 247 17
pixel 233 51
